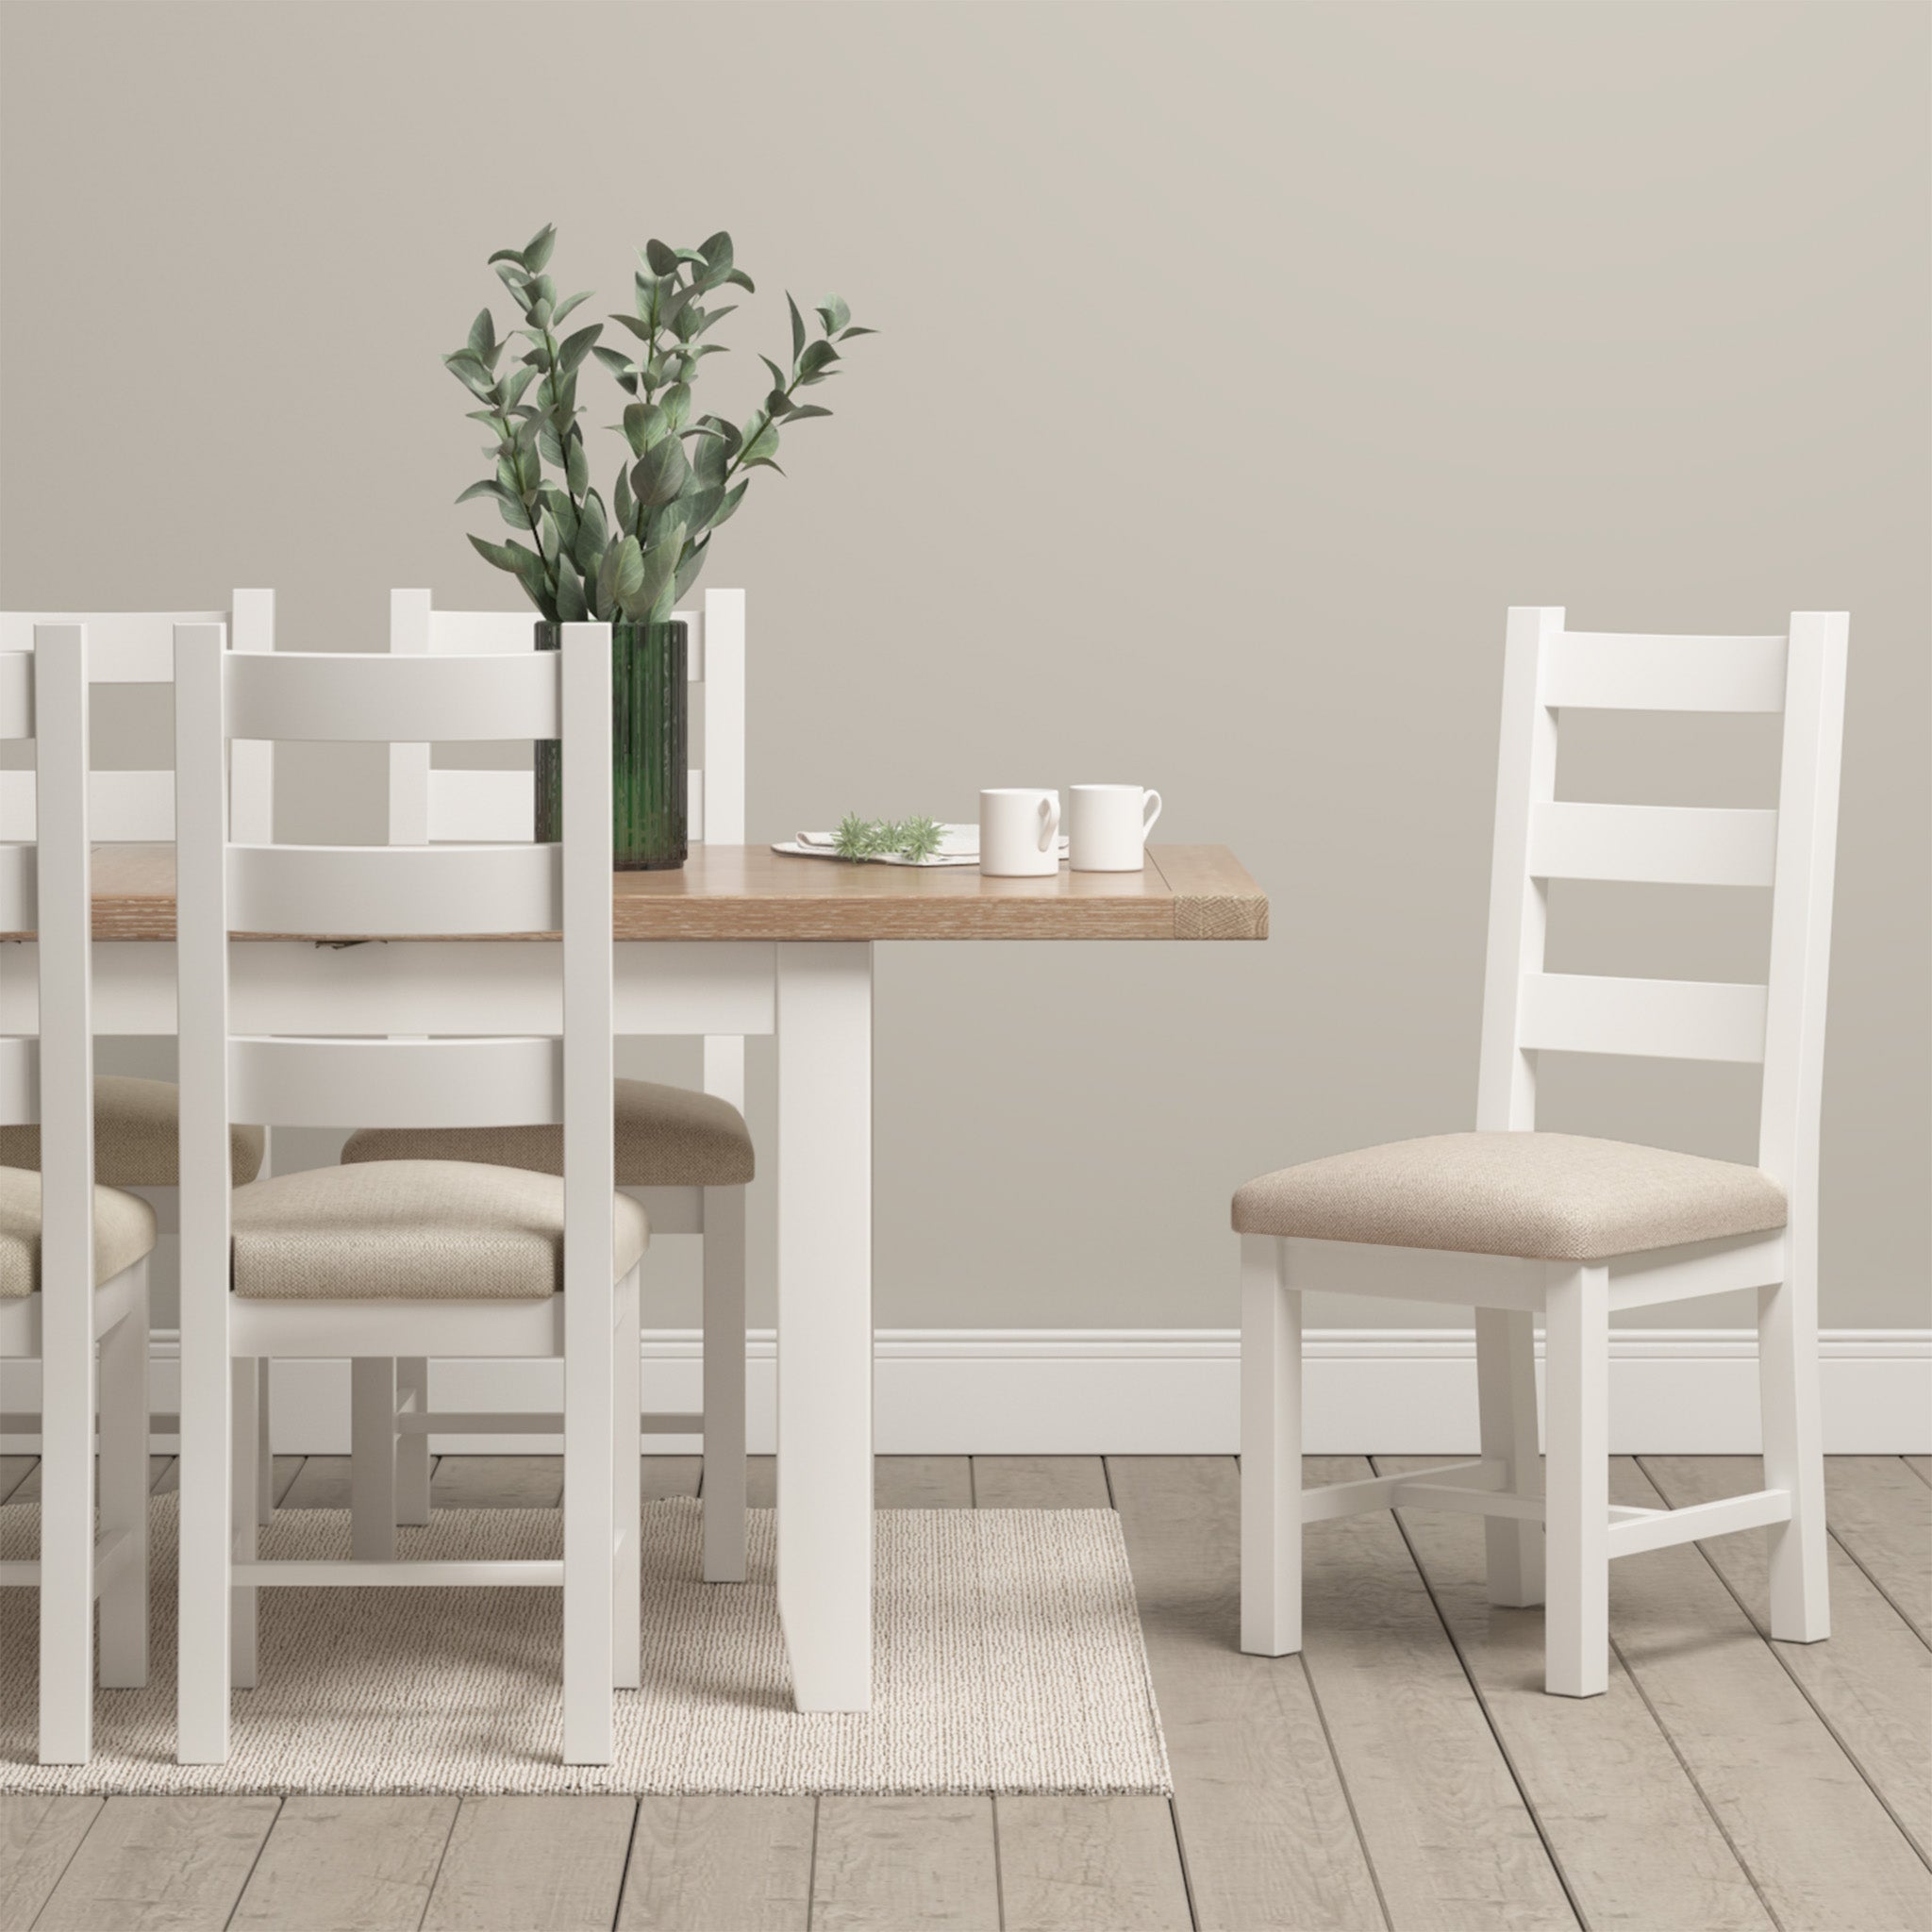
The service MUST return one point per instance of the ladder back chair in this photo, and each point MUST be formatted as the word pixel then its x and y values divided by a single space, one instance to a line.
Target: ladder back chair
pixel 135 1119
pixel 1517 1223
pixel 686 1155
pixel 73 1256
pixel 411 1258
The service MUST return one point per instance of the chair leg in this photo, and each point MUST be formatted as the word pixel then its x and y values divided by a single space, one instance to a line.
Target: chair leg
pixel 264 1450
pixel 124 1491
pixel 724 1319
pixel 1794 1450
pixel 588 1525
pixel 372 1458
pixel 1506 1381
pixel 67 1523
pixel 246 1388
pixel 1271 1450
pixel 412 1451
pixel 1576 1367
pixel 626 1595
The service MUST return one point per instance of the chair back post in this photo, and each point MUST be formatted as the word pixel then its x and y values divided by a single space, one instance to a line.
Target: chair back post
pixel 1525 777
pixel 201 953
pixel 1801 905
pixel 723 791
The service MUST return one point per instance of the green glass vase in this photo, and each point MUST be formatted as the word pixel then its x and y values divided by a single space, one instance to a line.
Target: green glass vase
pixel 650 778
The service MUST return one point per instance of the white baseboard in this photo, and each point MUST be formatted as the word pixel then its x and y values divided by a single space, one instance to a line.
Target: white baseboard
pixel 1164 1393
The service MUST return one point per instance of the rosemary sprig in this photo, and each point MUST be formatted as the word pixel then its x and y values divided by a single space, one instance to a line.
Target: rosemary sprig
pixel 860 840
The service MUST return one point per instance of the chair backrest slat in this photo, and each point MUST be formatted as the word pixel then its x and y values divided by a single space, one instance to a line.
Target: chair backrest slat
pixel 1653 844
pixel 1602 672
pixel 383 1083
pixel 346 697
pixel 20 1080
pixel 1658 1019
pixel 125 807
pixel 393 891
pixel 1526 1011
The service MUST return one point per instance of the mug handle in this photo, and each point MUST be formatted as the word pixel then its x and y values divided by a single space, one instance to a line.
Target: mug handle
pixel 1051 807
pixel 1152 798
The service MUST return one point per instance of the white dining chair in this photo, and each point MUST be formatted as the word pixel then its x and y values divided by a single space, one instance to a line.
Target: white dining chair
pixel 136 1125
pixel 1517 1223
pixel 686 1155
pixel 73 1256
pixel 404 1259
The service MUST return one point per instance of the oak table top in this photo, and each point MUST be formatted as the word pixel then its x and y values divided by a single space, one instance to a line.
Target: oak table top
pixel 752 893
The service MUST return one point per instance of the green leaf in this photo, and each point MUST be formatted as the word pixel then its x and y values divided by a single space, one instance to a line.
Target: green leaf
pixel 640 329
pixel 779 403
pixel 797 327
pixel 622 573
pixel 656 572
pixel 483 336
pixel 816 356
pixel 571 606
pixel 490 488
pixel 688 571
pixel 643 424
pixel 834 314
pixel 549 446
pixel 513 278
pixel 846 335
pixel 579 345
pixel 733 497
pixel 557 502
pixel 576 466
pixel 563 309
pixel 660 474
pixel 518 385
pixel 676 404
pixel 469 370
pixel 801 411
pixel 622 505
pixel 616 361
pixel 537 250
pixel 594 535
pixel 737 279
pixel 696 508
pixel 717 254
pixel 711 318
pixel 779 376
pixel 763 446
pixel 525 565
pixel 663 257
pixel 515 254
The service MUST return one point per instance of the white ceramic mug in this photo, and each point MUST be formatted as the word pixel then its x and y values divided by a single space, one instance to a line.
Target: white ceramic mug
pixel 1019 832
pixel 1107 826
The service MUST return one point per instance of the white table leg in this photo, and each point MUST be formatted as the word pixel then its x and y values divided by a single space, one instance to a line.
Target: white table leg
pixel 824 1322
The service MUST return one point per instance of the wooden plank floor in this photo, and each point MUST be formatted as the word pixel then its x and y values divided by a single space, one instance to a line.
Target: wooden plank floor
pixel 1406 1771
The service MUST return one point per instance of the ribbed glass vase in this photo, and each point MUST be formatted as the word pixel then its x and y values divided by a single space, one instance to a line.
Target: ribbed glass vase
pixel 649 753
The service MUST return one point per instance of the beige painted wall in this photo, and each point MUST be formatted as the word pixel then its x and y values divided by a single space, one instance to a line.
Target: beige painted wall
pixel 1241 366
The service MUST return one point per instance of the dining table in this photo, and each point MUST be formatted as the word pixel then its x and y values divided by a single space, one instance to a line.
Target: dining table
pixel 740 941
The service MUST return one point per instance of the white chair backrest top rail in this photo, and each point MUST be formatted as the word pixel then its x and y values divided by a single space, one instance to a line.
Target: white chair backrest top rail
pixel 430 805
pixel 138 647
pixel 1790 851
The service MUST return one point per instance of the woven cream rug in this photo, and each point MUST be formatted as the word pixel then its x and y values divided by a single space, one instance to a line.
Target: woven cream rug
pixel 1008 1658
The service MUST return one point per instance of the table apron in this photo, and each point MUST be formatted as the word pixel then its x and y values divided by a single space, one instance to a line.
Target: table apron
pixel 415 986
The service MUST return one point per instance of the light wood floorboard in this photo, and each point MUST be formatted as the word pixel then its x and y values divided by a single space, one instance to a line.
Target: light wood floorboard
pixel 14 1470
pixel 1871 1682
pixel 1266 1832
pixel 720 1865
pixel 1920 1467
pixel 38 1837
pixel 154 1863
pixel 348 1865
pixel 889 1864
pixel 1825 1852
pixel 321 1483
pixel 922 1482
pixel 1451 1841
pixel 1089 1865
pixel 1879 1509
pixel 497 1482
pixel 533 1865
pixel 1626 1826
pixel 760 1482
pixel 1041 1482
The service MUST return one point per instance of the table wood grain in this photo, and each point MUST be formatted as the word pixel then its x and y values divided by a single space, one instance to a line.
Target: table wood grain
pixel 752 893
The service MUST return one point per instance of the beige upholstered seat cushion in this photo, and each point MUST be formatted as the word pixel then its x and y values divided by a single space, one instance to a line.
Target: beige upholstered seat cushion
pixel 124 1232
pixel 667 1137
pixel 1556 1197
pixel 410 1230
pixel 137 1129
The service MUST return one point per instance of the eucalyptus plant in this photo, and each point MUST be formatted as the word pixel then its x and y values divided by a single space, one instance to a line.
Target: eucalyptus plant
pixel 634 556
